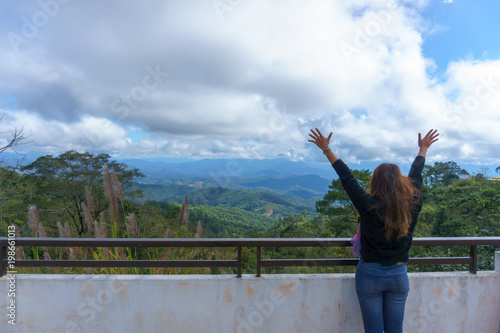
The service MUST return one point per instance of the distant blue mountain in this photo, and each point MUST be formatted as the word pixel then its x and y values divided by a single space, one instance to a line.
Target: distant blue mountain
pixel 174 168
pixel 223 168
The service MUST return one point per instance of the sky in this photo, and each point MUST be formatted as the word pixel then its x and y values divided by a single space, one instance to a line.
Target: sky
pixel 249 78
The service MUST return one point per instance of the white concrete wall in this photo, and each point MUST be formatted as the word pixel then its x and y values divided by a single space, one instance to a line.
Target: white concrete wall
pixel 438 302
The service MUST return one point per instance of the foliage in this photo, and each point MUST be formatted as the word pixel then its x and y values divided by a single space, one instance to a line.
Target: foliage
pixel 60 183
pixel 14 190
pixel 336 202
pixel 219 221
pixel 52 190
pixel 259 202
pixel 336 205
pixel 443 173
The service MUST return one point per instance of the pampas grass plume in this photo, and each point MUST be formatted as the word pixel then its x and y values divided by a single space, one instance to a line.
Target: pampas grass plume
pixel 184 214
pixel 33 219
pixel 116 185
pixel 132 227
pixel 199 230
pixel 88 218
pixel 90 200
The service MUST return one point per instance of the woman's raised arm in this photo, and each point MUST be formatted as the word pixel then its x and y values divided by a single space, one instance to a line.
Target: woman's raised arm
pixel 427 141
pixel 324 144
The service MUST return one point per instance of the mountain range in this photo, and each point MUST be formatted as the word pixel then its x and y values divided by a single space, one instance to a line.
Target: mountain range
pixel 306 180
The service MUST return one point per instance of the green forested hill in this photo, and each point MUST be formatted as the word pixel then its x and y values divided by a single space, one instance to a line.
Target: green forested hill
pixel 218 221
pixel 259 202
pixel 164 192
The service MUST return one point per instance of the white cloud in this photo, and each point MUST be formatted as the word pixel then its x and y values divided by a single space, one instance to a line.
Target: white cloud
pixel 248 85
pixel 52 136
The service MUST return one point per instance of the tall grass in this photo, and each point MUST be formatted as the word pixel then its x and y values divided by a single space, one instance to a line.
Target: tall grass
pixel 113 223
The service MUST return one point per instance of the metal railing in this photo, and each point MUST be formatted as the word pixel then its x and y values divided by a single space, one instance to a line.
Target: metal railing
pixel 6 260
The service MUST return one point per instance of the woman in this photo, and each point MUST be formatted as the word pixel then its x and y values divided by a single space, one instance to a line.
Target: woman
pixel 388 215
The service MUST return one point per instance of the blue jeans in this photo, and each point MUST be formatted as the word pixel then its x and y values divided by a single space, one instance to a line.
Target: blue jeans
pixel 382 293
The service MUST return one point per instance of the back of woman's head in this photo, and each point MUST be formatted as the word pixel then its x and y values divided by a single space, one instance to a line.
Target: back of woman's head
pixel 395 194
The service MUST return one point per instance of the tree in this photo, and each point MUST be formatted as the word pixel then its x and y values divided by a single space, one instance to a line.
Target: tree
pixel 339 209
pixel 444 226
pixel 61 182
pixel 17 138
pixel 13 189
pixel 443 173
pixel 6 174
pixel 336 201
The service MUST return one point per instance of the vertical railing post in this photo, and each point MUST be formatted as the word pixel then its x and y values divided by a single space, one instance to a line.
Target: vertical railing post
pixel 3 260
pixel 473 259
pixel 258 261
pixel 239 262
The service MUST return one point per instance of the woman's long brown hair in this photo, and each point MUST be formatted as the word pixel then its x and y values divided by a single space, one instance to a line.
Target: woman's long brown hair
pixel 396 195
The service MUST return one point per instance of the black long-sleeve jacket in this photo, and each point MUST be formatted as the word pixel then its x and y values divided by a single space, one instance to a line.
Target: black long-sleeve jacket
pixel 374 246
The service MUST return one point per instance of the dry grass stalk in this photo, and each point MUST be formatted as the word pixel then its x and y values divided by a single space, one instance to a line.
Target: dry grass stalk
pixel 116 185
pixel 114 207
pixel 89 220
pixel 71 253
pixel 101 231
pixel 199 230
pixel 90 200
pixel 19 250
pixel 184 215
pixel 43 234
pixel 33 219
pixel 108 188
pixel 132 227
pixel 46 254
pixel 165 254
pixel 61 229
pixel 65 232
pixel 121 253
pixel 41 231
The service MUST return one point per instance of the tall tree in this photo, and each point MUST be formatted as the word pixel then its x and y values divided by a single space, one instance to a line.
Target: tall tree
pixel 443 173
pixel 6 174
pixel 336 202
pixel 339 209
pixel 61 182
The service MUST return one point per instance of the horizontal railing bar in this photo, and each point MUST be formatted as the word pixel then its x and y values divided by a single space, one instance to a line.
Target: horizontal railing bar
pixel 232 242
pixel 439 260
pixel 126 263
pixel 459 241
pixel 179 242
pixel 354 261
pixel 308 262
